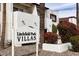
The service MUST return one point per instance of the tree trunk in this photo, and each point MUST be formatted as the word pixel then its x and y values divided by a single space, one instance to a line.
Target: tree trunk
pixel 77 13
pixel 3 25
pixel 42 17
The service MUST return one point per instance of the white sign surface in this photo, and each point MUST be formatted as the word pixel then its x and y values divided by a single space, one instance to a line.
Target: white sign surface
pixel 26 27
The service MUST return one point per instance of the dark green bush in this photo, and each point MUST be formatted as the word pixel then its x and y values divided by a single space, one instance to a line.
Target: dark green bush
pixel 75 42
pixel 54 29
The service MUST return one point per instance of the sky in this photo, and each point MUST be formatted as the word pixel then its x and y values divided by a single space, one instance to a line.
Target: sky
pixel 61 6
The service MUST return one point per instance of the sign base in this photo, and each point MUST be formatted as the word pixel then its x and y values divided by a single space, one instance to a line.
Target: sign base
pixel 56 47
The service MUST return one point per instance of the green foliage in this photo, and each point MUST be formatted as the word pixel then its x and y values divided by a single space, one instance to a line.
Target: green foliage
pixel 75 42
pixel 54 29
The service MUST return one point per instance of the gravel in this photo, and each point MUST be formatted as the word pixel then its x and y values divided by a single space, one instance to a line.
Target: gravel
pixel 30 50
pixel 6 52
pixel 49 53
pixel 26 50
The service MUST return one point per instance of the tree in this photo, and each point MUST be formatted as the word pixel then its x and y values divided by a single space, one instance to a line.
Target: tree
pixel 3 25
pixel 42 17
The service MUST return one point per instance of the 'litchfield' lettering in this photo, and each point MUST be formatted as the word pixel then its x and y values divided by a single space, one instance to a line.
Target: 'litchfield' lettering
pixel 26 36
pixel 25 33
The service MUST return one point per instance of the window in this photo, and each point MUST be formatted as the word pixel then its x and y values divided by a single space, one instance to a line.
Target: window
pixel 53 17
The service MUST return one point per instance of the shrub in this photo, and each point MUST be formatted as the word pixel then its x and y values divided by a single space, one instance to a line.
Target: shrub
pixel 66 30
pixel 54 29
pixel 50 37
pixel 75 42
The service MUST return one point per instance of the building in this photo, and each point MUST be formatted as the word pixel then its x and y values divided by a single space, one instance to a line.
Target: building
pixel 9 8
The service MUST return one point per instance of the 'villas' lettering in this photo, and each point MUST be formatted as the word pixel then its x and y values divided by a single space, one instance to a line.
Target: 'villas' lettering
pixel 24 36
